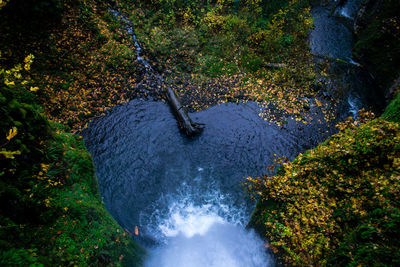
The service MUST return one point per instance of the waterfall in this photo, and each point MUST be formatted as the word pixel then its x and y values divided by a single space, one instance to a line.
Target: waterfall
pixel 183 198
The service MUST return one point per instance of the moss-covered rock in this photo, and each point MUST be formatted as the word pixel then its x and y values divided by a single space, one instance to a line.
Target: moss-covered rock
pixel 392 112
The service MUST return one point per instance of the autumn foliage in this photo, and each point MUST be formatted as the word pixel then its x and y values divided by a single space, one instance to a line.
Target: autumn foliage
pixel 70 61
pixel 89 66
pixel 337 204
pixel 51 212
pixel 213 52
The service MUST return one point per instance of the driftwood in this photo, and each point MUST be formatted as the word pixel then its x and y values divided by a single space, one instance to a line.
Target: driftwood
pixel 333 59
pixel 186 125
pixel 275 65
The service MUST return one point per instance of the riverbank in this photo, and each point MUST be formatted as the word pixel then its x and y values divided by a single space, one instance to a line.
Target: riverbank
pixel 337 204
pixel 213 53
pixel 87 63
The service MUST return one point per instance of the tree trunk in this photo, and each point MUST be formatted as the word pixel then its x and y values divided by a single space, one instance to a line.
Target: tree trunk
pixel 186 125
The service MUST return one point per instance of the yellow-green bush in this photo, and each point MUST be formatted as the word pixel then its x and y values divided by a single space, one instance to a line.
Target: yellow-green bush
pixel 339 203
pixel 51 212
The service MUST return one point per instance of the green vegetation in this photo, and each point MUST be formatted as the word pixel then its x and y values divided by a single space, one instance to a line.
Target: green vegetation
pixel 211 37
pixel 392 112
pixel 59 218
pixel 84 63
pixel 51 212
pixel 218 51
pixel 337 204
pixel 209 51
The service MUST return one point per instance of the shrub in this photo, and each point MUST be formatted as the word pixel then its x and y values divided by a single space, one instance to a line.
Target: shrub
pixel 339 203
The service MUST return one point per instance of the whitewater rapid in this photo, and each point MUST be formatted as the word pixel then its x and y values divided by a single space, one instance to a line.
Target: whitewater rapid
pixel 204 230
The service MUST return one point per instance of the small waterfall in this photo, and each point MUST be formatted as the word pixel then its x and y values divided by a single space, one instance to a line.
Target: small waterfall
pixel 332 39
pixel 204 233
pixel 129 29
pixel 138 52
pixel 355 104
pixel 344 12
pixel 350 8
pixel 154 82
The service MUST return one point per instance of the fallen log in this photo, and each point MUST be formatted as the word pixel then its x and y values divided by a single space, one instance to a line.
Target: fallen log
pixel 275 65
pixel 186 125
pixel 338 60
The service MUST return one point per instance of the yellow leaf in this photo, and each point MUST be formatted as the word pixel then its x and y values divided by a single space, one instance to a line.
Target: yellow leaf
pixel 8 83
pixel 29 58
pixel 10 154
pixel 12 133
pixel 34 89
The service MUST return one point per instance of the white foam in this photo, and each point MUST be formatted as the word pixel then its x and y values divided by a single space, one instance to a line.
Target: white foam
pixel 354 104
pixel 199 238
pixel 189 220
pixel 344 13
pixel 191 210
pixel 204 228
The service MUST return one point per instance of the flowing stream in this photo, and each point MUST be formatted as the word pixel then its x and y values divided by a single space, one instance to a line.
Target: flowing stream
pixel 333 39
pixel 185 196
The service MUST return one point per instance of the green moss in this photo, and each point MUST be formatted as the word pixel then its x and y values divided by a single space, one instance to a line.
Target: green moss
pixel 392 111
pixel 85 233
pixel 51 212
pixel 74 227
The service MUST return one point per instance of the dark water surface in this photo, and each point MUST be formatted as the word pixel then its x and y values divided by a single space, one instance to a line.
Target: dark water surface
pixel 333 37
pixel 330 37
pixel 174 188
